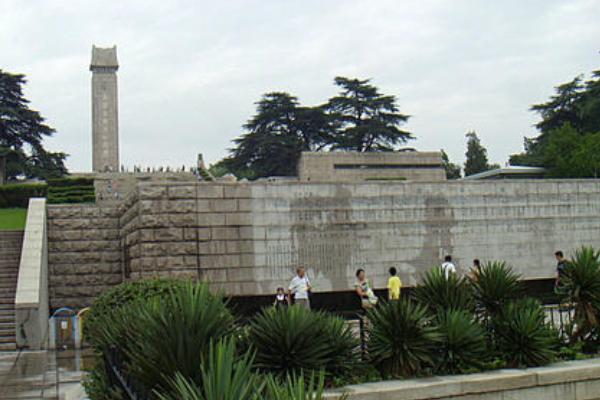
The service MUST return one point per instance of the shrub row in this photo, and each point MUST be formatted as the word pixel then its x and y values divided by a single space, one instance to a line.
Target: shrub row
pixel 18 195
pixel 180 341
pixel 63 190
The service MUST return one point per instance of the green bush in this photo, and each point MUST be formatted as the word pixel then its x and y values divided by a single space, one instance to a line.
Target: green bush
pixel 293 340
pixel 60 182
pixel 108 303
pixel 495 285
pixel 401 338
pixel 522 336
pixel 18 195
pixel 581 287
pixel 462 346
pixel 160 336
pixel 439 293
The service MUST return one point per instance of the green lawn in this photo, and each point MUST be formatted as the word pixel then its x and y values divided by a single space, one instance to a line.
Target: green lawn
pixel 12 218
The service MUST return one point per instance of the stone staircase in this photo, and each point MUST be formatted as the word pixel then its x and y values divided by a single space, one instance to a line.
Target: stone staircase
pixel 10 256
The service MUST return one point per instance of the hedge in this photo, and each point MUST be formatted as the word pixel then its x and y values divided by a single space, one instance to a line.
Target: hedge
pixel 71 182
pixel 18 195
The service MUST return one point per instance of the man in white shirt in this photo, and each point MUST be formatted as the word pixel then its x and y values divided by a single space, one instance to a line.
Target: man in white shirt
pixel 448 267
pixel 300 288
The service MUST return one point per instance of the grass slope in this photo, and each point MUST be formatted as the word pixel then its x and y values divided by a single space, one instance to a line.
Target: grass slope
pixel 12 218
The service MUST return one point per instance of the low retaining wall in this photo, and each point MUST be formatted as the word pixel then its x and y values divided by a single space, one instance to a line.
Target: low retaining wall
pixel 31 298
pixel 573 380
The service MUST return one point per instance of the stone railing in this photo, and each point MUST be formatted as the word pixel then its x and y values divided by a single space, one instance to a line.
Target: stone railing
pixel 573 380
pixel 31 299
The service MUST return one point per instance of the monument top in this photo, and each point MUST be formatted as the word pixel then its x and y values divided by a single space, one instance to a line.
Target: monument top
pixel 104 58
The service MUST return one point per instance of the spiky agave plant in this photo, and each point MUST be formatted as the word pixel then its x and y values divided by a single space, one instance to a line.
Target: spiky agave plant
pixel 162 336
pixel 438 293
pixel 495 285
pixel 521 334
pixel 293 340
pixel 401 338
pixel 225 376
pixel 296 387
pixel 580 286
pixel 463 344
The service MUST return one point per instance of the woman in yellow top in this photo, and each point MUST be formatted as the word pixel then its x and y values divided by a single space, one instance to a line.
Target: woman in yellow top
pixel 394 285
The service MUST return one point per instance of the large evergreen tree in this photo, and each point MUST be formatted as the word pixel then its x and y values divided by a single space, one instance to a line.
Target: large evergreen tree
pixel 567 119
pixel 22 131
pixel 275 136
pixel 476 156
pixel 367 119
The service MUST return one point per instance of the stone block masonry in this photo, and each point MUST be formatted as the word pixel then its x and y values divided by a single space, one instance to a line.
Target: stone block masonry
pixel 247 238
pixel 84 253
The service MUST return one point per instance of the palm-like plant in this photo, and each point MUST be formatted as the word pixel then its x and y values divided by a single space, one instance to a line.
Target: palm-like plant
pixel 225 376
pixel 495 285
pixel 463 344
pixel 293 340
pixel 401 338
pixel 521 334
pixel 439 293
pixel 580 286
pixel 161 336
pixel 296 388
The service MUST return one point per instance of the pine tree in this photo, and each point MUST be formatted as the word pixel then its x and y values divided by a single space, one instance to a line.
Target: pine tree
pixel 22 131
pixel 476 155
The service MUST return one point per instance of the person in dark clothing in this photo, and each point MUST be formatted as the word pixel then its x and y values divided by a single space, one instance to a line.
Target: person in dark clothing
pixel 561 266
pixel 280 298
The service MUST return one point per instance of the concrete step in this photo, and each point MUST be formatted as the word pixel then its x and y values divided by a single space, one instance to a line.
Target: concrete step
pixel 7 339
pixel 8 300
pixel 7 318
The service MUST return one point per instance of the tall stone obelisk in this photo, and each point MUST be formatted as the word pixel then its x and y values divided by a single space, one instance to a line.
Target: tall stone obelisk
pixel 105 110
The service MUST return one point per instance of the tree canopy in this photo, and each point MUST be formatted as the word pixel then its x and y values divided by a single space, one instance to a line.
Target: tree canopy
pixel 453 171
pixel 359 118
pixel 570 121
pixel 476 156
pixel 367 120
pixel 22 131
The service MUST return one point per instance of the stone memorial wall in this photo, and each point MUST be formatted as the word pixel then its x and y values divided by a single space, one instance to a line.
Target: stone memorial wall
pixel 247 238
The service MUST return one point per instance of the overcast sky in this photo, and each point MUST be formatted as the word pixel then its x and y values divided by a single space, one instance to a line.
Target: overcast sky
pixel 192 70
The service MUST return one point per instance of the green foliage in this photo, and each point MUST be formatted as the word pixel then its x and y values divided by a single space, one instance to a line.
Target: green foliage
pixel 476 156
pixel 71 190
pixel 359 118
pixel 224 376
pixel 495 285
pixel 401 338
pixel 439 293
pixel 521 335
pixel 109 302
pixel 580 286
pixel 12 218
pixel 296 388
pixel 367 119
pixel 463 346
pixel 22 131
pixel 453 171
pixel 570 118
pixel 293 340
pixel 164 335
pixel 275 136
pixel 18 195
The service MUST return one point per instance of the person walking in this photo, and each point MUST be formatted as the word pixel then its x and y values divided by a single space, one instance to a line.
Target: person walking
pixel 475 270
pixel 394 285
pixel 280 298
pixel 364 290
pixel 448 267
pixel 299 289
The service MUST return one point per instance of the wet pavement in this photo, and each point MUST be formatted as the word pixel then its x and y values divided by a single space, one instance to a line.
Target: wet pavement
pixel 43 374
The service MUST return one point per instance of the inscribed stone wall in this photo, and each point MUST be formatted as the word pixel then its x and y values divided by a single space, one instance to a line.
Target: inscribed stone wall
pixel 247 238
pixel 84 256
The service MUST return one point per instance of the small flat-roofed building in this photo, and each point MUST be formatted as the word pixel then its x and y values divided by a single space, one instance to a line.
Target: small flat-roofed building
pixel 346 166
pixel 510 172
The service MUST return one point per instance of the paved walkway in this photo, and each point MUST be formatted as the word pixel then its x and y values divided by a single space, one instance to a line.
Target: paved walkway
pixel 43 374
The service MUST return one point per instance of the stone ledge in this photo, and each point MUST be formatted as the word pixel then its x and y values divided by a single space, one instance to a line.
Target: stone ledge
pixel 516 384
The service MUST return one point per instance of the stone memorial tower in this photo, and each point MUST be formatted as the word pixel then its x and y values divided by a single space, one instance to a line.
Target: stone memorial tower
pixel 105 119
